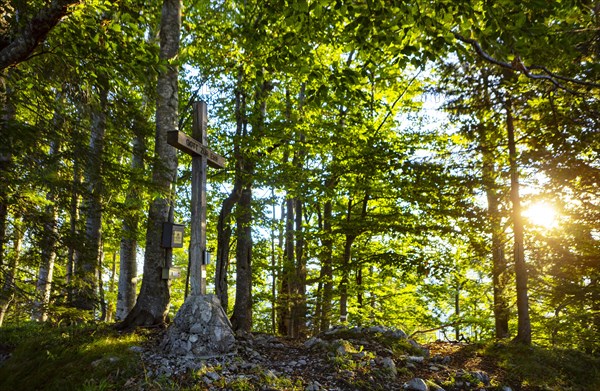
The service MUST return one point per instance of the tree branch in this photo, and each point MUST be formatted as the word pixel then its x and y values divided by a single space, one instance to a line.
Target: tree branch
pixel 454 324
pixel 518 66
pixel 18 45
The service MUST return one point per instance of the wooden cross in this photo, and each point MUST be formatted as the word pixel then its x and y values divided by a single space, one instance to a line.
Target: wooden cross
pixel 201 157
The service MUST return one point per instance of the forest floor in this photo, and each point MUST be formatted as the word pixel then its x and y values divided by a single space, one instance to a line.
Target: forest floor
pixel 38 357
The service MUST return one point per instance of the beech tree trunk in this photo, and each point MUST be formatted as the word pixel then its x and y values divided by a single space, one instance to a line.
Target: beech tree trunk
pixel 7 290
pixel 327 267
pixel 299 305
pixel 48 252
pixel 152 304
pixel 241 319
pixel 73 252
pixel 224 223
pixel 128 251
pixel 523 321
pixel 86 269
pixel 346 265
pixel 49 236
pixel 7 115
pixel 499 272
pixel 286 291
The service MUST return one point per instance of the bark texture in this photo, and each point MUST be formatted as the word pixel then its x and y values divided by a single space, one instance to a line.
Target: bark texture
pixel 224 231
pixel 7 290
pixel 523 321
pixel 241 320
pixel 153 301
pixel 50 233
pixel 128 259
pixel 16 44
pixel 86 268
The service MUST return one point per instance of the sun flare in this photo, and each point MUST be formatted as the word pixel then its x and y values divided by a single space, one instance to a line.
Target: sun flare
pixel 542 214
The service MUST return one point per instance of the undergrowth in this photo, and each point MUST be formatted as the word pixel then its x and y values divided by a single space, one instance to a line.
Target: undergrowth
pixel 537 368
pixel 68 358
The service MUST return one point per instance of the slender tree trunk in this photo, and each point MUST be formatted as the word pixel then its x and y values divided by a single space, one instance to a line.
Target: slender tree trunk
pixel 49 236
pixel 282 297
pixel 7 291
pixel 347 258
pixel 241 319
pixel 128 250
pixel 327 266
pixel 101 295
pixel 86 271
pixel 490 173
pixel 286 291
pixel 223 245
pixel 299 309
pixel 46 270
pixel 112 282
pixel 345 270
pixel 523 322
pixel 273 268
pixel 7 116
pixel 73 253
pixel 457 311
pixel 316 324
pixel 153 301
pixel 224 223
pixel 499 272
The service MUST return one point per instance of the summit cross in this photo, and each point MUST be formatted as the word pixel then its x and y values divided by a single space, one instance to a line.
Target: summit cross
pixel 202 156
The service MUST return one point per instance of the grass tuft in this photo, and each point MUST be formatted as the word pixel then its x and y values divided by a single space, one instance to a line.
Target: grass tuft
pixel 79 357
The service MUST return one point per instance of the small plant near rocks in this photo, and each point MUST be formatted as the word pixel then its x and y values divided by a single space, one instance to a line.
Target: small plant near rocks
pixel 241 384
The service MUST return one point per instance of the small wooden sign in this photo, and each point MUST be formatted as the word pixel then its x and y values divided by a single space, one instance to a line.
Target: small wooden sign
pixel 172 236
pixel 171 273
pixel 191 146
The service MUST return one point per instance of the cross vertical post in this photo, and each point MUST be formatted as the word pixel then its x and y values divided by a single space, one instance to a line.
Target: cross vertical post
pixel 198 221
pixel 202 157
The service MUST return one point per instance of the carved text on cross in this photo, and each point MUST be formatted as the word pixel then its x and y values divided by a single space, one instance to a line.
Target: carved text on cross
pixel 201 157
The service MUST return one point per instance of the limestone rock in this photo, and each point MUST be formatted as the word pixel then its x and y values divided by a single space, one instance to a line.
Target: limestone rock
pixel 389 366
pixel 416 384
pixel 200 328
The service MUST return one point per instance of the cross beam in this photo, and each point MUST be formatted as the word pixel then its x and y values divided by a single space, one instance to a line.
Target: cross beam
pixel 202 157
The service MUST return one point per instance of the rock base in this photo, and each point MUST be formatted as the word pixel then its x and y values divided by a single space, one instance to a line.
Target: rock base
pixel 200 328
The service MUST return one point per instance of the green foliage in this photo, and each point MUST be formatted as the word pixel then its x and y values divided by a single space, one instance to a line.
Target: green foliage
pixel 332 109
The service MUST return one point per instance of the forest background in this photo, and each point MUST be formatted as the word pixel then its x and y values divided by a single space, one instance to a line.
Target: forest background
pixel 385 162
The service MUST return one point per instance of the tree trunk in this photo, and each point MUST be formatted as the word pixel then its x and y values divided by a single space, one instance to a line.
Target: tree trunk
pixel 111 288
pixel 7 115
pixel 499 272
pixel 224 223
pixel 241 319
pixel 523 321
pixel 101 295
pixel 48 252
pixel 153 301
pixel 86 270
pixel 457 311
pixel 345 270
pixel 73 252
pixel 286 291
pixel 327 266
pixel 49 235
pixel 7 291
pixel 299 304
pixel 128 250
pixel 273 268
pixel 347 258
